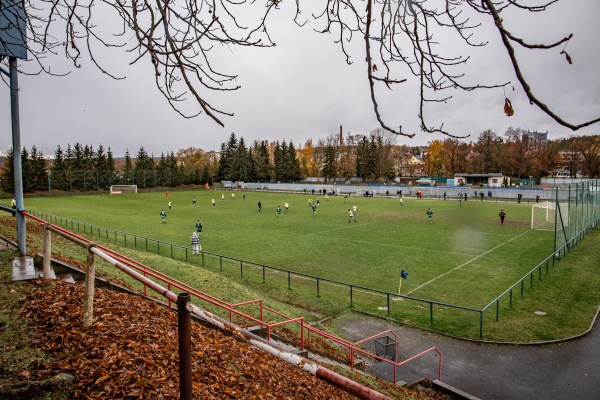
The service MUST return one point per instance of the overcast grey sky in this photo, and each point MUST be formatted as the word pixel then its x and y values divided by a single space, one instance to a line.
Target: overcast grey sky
pixel 304 89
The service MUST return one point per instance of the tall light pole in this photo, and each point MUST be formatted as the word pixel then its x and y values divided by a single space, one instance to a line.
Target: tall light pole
pixel 13 40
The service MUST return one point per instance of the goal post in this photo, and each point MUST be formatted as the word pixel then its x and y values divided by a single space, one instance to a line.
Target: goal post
pixel 123 189
pixel 544 216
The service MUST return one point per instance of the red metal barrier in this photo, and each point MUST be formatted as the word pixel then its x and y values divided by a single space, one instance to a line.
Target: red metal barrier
pixel 231 308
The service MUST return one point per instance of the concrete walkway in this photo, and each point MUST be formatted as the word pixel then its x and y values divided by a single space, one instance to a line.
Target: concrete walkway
pixel 561 371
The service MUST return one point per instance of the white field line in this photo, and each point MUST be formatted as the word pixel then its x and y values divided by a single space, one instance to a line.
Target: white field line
pixel 466 263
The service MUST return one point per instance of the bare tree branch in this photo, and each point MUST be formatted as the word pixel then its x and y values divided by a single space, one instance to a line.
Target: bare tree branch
pixel 506 40
pixel 182 39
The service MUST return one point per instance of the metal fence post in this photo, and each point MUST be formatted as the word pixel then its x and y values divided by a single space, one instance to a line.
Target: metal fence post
pixel 47 251
pixel 88 294
pixel 184 331
pixel 481 324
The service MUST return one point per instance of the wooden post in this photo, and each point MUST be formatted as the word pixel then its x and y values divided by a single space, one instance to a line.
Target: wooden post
pixel 88 295
pixel 184 331
pixel 47 251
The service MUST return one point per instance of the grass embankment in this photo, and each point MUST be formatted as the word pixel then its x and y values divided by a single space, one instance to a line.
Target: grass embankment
pixel 126 354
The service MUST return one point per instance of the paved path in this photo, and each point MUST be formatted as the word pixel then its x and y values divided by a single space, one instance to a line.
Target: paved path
pixel 567 370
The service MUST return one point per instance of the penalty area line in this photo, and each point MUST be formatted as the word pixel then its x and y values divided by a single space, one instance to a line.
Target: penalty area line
pixel 466 263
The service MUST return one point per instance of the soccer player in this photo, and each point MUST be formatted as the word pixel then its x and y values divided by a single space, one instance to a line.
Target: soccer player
pixel 351 216
pixel 345 198
pixel 430 215
pixel 213 203
pixel 355 210
pixel 287 207
pixel 314 209
pixel 170 206
pixel 163 215
pixel 326 198
pixel 195 242
pixel 194 202
pixel 401 201
pixel 222 198
pixel 232 196
pixel 502 215
pixel 259 206
pixel 199 227
pixel 278 211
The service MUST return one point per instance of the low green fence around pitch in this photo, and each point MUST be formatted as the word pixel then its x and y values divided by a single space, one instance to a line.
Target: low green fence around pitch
pixel 576 211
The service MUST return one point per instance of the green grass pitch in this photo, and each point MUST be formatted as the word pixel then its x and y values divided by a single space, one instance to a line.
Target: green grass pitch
pixel 463 257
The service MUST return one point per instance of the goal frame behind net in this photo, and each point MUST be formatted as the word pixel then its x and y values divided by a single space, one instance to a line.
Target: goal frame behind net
pixel 123 189
pixel 543 216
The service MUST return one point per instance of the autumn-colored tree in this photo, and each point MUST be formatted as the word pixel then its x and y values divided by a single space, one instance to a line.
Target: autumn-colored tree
pixel 517 160
pixel 434 159
pixel 384 165
pixel 546 160
pixel 346 166
pixel 588 148
pixel 456 156
pixel 193 162
pixel 487 153
pixel 309 160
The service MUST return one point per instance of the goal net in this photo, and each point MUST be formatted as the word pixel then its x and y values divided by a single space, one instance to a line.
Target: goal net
pixel 123 189
pixel 543 216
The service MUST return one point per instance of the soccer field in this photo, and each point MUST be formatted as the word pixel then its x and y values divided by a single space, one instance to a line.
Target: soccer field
pixel 463 257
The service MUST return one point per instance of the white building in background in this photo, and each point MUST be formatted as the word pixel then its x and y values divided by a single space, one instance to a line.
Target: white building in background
pixel 490 180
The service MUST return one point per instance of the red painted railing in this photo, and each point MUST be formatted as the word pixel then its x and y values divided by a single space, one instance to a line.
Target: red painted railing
pixel 352 348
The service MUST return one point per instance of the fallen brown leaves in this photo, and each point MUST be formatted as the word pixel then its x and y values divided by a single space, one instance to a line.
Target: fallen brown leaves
pixel 131 352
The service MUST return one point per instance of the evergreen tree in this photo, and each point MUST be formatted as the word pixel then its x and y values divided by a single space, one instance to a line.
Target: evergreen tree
pixel 261 163
pixel 33 169
pixel 294 163
pixel 77 167
pixel 330 166
pixel 8 173
pixel 162 172
pixel 27 171
pixel 38 173
pixel 239 167
pixel 227 152
pixel 59 170
pixel 175 172
pixel 279 162
pixel 143 169
pixel 362 158
pixel 110 167
pixel 128 175
pixel 101 169
pixel 206 176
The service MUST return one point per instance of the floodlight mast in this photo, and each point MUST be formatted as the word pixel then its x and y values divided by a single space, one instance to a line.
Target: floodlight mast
pixel 16 139
pixel 14 36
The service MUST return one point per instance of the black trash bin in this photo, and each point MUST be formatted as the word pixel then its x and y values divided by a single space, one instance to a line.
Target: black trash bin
pixel 385 347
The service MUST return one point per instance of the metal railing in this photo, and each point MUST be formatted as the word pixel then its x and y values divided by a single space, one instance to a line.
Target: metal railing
pixel 285 277
pixel 246 267
pixel 141 272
